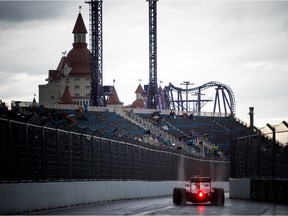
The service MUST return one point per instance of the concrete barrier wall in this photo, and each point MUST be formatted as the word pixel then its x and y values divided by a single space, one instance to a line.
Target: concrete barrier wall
pixel 224 185
pixel 28 197
pixel 239 188
pixel 268 190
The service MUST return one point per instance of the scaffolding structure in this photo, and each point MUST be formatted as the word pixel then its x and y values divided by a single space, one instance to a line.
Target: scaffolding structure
pixel 152 102
pixel 96 45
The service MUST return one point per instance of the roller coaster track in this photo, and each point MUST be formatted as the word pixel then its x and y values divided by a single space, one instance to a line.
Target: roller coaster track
pixel 231 103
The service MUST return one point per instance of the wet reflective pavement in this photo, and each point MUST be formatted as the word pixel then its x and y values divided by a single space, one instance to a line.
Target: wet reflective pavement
pixel 164 206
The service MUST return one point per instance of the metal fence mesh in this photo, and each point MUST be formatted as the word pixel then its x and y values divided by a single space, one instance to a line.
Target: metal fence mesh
pixel 257 157
pixel 37 153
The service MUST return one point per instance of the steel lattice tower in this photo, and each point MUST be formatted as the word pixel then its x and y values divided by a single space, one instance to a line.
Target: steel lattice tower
pixel 96 40
pixel 152 102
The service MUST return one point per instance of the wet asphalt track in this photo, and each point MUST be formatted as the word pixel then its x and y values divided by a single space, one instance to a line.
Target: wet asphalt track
pixel 164 206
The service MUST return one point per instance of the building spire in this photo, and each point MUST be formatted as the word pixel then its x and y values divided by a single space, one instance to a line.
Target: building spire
pixel 79 30
pixel 79 25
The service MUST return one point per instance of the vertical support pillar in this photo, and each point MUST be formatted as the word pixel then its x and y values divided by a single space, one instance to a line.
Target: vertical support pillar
pixel 126 162
pixel 199 101
pixel 82 155
pixel 58 154
pixel 224 100
pixel 71 155
pixel 10 156
pixel 251 114
pixel 152 102
pixel 92 158
pixel 273 148
pixel 96 46
pixel 27 154
pixel 217 100
pixel 43 154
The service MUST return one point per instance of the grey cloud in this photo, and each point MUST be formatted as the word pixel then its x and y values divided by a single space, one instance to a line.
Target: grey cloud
pixel 21 11
pixel 249 10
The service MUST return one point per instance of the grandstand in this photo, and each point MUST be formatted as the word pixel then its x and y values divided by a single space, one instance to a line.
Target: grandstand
pixel 212 130
pixel 35 131
pixel 161 128
pixel 194 134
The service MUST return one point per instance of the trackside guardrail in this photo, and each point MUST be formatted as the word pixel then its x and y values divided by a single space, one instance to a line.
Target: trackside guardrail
pixel 33 153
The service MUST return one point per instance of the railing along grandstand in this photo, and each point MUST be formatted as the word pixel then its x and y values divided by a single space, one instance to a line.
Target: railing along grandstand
pixel 113 108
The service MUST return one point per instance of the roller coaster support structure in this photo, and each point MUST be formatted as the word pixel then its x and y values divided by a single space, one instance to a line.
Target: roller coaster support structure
pixel 225 104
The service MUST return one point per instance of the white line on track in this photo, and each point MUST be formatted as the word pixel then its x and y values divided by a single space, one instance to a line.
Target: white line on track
pixel 154 210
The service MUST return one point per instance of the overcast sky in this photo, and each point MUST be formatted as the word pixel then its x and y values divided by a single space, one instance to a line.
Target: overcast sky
pixel 243 44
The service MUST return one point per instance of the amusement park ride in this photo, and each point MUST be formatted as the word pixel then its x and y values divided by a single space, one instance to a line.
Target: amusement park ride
pixel 224 100
pixel 170 97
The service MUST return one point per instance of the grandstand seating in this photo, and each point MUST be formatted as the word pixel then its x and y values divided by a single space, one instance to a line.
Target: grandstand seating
pixel 110 125
pixel 57 144
pixel 220 130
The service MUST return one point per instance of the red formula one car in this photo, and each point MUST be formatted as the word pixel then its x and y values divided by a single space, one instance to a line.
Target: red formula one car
pixel 199 191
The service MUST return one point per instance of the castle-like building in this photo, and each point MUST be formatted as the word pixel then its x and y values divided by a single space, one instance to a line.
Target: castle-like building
pixel 70 83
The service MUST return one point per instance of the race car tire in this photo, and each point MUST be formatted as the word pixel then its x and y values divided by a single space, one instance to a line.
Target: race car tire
pixel 181 196
pixel 218 197
pixel 175 196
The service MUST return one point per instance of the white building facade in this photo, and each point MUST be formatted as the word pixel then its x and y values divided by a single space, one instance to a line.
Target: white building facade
pixel 73 70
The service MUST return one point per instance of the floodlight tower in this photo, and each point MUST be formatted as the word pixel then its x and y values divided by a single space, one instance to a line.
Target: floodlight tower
pixel 96 40
pixel 152 101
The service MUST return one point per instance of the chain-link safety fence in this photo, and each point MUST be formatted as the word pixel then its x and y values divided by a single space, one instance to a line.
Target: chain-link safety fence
pixel 257 157
pixel 32 153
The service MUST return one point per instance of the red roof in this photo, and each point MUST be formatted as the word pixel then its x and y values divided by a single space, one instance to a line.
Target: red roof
pixel 79 59
pixel 61 63
pixel 54 75
pixel 139 89
pixel 79 25
pixel 66 97
pixel 138 103
pixel 114 99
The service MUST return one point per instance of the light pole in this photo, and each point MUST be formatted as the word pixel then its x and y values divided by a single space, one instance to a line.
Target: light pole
pixel 187 83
